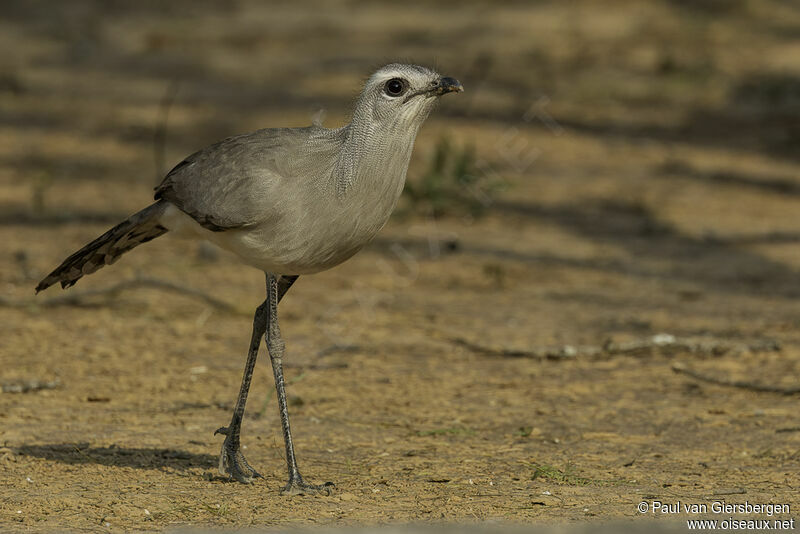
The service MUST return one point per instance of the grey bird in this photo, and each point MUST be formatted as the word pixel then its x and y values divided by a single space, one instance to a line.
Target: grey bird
pixel 289 201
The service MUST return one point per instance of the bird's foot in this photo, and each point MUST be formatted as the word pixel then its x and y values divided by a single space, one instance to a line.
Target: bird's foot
pixel 232 462
pixel 297 486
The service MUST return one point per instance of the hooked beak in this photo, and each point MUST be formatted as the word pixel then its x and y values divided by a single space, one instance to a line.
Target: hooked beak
pixel 447 85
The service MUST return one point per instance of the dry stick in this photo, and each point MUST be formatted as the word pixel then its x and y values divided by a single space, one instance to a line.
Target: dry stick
pixel 682 369
pixel 29 386
pixel 660 343
pixel 538 352
pixel 79 298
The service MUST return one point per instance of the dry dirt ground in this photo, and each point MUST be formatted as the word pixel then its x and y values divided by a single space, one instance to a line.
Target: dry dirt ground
pixel 638 176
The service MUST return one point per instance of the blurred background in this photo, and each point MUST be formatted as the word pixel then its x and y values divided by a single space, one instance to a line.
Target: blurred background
pixel 614 171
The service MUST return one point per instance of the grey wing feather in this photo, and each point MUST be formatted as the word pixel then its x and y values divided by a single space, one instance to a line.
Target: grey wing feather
pixel 228 184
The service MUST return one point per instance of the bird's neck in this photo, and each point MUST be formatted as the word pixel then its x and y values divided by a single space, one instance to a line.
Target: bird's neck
pixel 374 157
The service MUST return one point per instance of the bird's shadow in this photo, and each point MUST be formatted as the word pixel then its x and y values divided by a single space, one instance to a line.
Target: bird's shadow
pixel 141 458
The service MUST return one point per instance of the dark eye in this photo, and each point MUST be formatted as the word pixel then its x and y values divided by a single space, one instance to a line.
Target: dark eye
pixel 395 87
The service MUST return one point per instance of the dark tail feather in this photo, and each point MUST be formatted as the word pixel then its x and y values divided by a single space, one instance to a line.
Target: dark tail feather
pixel 106 249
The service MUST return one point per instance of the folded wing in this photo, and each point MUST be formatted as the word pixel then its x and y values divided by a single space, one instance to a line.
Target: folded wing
pixel 233 183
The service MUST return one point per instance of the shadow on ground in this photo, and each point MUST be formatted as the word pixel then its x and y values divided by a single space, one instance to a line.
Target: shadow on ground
pixel 141 458
pixel 716 263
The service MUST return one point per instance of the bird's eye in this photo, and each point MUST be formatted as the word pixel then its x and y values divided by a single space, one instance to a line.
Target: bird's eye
pixel 395 87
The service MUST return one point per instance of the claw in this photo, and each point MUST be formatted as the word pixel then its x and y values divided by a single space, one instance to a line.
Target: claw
pixel 232 462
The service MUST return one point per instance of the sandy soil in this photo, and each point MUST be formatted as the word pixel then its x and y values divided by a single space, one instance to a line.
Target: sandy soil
pixel 649 169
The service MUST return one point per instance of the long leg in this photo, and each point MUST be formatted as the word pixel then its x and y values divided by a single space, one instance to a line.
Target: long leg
pixel 231 460
pixel 275 344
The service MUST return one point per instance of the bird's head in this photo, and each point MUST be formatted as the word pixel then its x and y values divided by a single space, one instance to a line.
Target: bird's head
pixel 399 95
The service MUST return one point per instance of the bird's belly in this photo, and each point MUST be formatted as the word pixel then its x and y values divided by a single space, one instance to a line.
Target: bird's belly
pixel 280 254
pixel 309 245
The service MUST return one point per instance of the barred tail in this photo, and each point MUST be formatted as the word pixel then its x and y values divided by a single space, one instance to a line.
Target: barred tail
pixel 106 249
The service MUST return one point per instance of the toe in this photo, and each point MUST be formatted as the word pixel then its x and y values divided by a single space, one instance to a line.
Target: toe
pixel 301 488
pixel 242 478
pixel 233 464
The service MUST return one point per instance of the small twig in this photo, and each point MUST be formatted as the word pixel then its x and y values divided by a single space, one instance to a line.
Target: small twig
pixel 315 366
pixel 553 353
pixel 731 491
pixel 669 344
pixel 657 344
pixel 682 369
pixel 80 298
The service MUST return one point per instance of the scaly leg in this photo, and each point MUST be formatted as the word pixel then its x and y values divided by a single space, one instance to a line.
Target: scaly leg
pixel 231 460
pixel 296 484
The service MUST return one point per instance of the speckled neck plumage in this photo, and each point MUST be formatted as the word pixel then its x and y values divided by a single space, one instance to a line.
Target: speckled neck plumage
pixel 375 150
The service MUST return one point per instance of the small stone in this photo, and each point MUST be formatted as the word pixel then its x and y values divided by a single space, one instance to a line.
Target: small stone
pixel 663 339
